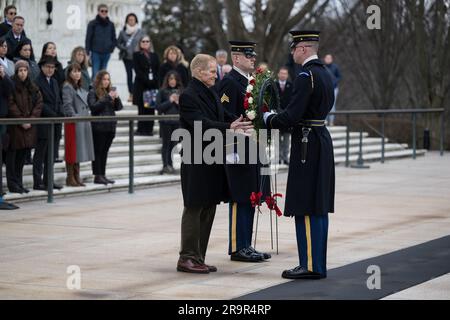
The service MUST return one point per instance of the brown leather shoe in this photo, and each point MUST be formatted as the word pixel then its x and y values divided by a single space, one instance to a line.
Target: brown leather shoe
pixel 211 268
pixel 190 266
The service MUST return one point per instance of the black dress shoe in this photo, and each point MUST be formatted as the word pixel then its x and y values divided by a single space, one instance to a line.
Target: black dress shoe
pixel 165 170
pixel 25 190
pixel 58 161
pixel 171 169
pixel 265 255
pixel 109 180
pixel 301 273
pixel 57 186
pixel 100 180
pixel 246 255
pixel 15 189
pixel 40 187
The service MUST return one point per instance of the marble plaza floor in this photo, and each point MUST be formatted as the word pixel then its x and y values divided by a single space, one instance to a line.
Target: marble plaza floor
pixel 126 246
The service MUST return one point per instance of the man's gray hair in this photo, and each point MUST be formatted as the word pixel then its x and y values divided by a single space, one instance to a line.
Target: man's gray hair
pixel 201 62
pixel 221 52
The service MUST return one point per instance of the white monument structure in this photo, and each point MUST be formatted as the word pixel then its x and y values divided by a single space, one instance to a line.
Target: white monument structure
pixel 69 24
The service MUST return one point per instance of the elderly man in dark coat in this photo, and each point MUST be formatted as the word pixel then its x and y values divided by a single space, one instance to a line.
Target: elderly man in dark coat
pixel 52 107
pixel 203 185
pixel 310 186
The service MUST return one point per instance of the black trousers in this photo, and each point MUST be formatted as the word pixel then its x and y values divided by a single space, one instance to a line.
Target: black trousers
pixel 102 143
pixel 129 69
pixel 15 160
pixel 167 144
pixel 196 225
pixel 39 161
pixel 145 127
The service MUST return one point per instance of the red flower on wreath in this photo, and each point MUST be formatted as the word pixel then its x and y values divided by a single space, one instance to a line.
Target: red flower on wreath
pixel 246 104
pixel 259 70
pixel 253 82
pixel 248 95
pixel 265 108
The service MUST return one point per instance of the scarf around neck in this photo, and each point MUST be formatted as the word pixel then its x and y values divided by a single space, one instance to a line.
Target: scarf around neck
pixel 131 30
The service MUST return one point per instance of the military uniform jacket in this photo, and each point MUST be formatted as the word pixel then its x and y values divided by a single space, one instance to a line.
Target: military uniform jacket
pixel 243 178
pixel 310 186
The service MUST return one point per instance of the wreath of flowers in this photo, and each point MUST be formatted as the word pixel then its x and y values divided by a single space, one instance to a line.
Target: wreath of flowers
pixel 252 94
pixel 253 113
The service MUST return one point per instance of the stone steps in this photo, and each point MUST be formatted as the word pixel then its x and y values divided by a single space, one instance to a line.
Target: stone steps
pixel 155 179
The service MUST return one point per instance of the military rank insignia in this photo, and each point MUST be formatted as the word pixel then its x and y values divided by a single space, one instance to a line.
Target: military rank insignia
pixel 224 98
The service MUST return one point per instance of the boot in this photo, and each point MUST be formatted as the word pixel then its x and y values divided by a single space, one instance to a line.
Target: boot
pixel 70 180
pixel 76 169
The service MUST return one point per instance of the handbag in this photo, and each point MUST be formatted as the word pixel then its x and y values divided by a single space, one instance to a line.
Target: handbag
pixel 149 97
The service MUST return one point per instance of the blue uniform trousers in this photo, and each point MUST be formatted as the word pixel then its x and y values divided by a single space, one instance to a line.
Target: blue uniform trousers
pixel 240 227
pixel 312 235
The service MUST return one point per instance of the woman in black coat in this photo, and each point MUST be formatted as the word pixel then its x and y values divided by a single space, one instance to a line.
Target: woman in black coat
pixel 24 51
pixel 167 103
pixel 49 49
pixel 174 61
pixel 103 100
pixel 146 65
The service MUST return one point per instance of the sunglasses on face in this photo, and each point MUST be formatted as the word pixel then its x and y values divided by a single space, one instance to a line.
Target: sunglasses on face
pixel 12 13
pixel 104 11
pixel 145 41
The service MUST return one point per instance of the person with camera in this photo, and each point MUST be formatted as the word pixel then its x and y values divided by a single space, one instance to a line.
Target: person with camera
pixel 103 100
pixel 167 102
pixel 146 65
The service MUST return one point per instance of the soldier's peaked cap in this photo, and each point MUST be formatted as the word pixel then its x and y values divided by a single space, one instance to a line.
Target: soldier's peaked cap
pixel 246 47
pixel 303 35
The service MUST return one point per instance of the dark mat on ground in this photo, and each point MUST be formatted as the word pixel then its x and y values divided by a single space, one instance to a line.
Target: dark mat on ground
pixel 400 270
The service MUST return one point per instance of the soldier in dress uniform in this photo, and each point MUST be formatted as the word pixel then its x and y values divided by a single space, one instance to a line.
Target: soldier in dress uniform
pixel 310 186
pixel 243 177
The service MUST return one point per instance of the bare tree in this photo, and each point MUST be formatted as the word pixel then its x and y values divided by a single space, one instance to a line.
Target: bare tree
pixel 429 80
pixel 272 20
pixel 379 56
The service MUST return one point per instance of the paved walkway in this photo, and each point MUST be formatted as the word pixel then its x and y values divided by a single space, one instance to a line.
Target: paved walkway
pixel 126 245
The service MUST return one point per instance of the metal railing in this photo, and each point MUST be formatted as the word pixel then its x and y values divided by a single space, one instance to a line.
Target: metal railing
pixel 51 136
pixel 383 114
pixel 131 119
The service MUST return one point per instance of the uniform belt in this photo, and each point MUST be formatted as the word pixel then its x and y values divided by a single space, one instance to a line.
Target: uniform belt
pixel 312 123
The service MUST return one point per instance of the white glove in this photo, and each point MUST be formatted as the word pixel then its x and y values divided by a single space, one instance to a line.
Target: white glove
pixel 266 115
